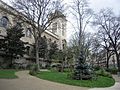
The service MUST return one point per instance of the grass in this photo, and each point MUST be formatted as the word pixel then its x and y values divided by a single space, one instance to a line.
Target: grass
pixel 62 78
pixel 7 74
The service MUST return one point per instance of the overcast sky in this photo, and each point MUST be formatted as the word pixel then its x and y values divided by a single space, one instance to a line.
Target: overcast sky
pixel 99 4
pixel 96 5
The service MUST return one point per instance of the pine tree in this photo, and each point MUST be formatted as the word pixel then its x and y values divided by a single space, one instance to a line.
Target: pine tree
pixel 81 70
pixel 53 50
pixel 14 46
pixel 2 44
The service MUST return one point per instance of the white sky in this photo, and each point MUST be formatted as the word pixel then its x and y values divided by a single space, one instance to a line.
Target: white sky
pixel 96 5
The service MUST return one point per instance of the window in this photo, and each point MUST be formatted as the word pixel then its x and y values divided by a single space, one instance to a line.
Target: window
pixel 63 29
pixel 63 32
pixel 63 46
pixel 28 50
pixel 28 32
pixel 4 21
pixel 54 27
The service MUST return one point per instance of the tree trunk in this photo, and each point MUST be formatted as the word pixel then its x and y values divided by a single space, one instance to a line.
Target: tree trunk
pixel 118 61
pixel 10 65
pixel 37 55
pixel 62 69
pixel 107 61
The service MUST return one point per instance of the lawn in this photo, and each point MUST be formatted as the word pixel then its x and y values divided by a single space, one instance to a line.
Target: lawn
pixel 7 74
pixel 62 78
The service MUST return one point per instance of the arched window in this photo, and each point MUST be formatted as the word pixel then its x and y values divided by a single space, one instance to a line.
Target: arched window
pixel 4 21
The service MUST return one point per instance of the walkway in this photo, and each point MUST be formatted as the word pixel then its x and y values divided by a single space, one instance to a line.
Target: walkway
pixel 115 87
pixel 27 82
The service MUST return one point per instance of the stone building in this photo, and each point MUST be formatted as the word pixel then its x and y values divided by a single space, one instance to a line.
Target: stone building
pixel 56 33
pixel 101 60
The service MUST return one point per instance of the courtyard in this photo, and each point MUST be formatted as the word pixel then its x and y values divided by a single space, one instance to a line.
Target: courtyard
pixel 59 45
pixel 28 82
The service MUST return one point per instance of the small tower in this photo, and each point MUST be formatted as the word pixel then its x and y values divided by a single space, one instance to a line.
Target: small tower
pixel 58 27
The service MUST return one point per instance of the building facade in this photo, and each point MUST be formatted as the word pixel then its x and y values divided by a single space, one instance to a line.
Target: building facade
pixel 56 32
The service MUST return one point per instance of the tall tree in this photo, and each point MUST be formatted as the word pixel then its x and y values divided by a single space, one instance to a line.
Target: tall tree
pixel 40 13
pixel 96 49
pixel 109 25
pixel 82 14
pixel 43 47
pixel 81 67
pixel 14 46
pixel 106 46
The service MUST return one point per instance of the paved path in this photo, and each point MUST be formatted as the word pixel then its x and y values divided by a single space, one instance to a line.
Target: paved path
pixel 27 82
pixel 117 79
pixel 115 87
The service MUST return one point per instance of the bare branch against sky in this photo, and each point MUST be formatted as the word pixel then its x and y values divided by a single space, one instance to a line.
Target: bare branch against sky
pixel 96 5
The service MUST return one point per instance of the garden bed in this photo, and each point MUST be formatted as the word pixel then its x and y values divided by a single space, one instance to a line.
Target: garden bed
pixel 7 74
pixel 62 78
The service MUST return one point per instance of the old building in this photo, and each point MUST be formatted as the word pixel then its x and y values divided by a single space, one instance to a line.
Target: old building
pixel 56 33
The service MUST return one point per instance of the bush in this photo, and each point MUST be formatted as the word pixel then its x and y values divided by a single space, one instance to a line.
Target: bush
pixel 96 68
pixel 102 72
pixel 70 75
pixel 33 69
pixel 112 70
pixel 66 70
pixel 56 67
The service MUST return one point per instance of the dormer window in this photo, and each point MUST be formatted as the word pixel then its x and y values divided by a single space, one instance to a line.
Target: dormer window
pixel 54 27
pixel 4 21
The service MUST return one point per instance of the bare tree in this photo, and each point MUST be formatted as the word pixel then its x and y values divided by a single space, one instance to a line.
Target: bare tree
pixel 109 26
pixel 73 43
pixel 40 13
pixel 87 41
pixel 82 14
pixel 95 49
pixel 106 45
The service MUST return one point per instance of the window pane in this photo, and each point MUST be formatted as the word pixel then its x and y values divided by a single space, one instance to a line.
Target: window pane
pixel 54 27
pixel 28 32
pixel 63 29
pixel 4 21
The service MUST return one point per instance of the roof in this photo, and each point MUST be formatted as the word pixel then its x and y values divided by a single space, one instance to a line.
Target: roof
pixel 58 14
